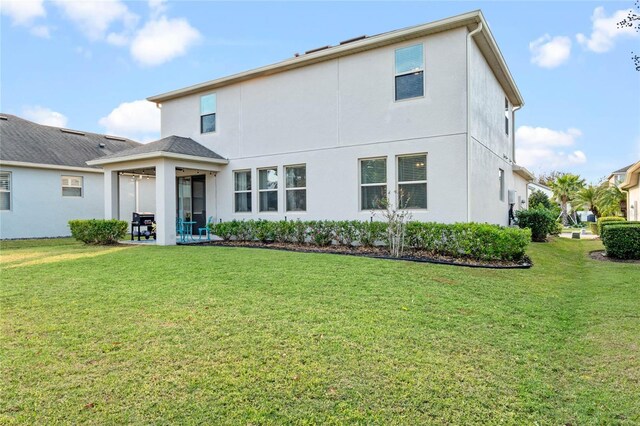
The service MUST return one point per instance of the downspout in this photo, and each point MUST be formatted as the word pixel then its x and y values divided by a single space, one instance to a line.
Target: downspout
pixel 471 34
pixel 513 133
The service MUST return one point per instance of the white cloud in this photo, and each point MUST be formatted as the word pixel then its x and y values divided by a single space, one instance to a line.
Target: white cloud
pixel 23 12
pixel 543 148
pixel 40 31
pixel 162 40
pixel 157 7
pixel 547 52
pixel 605 30
pixel 44 116
pixel 138 120
pixel 94 18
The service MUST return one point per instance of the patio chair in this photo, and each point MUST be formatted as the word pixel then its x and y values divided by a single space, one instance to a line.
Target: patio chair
pixel 206 229
pixel 180 228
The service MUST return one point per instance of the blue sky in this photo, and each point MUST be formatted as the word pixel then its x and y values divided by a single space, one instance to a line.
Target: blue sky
pixel 88 65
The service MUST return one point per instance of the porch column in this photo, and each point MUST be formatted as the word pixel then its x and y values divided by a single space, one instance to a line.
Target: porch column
pixel 111 194
pixel 165 203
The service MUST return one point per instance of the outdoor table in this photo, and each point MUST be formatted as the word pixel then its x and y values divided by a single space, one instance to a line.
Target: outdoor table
pixel 188 230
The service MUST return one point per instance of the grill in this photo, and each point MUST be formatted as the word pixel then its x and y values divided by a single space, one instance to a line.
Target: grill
pixel 142 225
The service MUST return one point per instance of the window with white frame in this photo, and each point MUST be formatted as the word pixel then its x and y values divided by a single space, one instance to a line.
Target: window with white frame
pixel 208 113
pixel 242 191
pixel 507 113
pixel 373 183
pixel 296 188
pixel 412 181
pixel 268 189
pixel 501 178
pixel 409 75
pixel 72 186
pixel 5 190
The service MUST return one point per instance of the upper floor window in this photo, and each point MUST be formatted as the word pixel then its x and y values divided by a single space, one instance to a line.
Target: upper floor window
pixel 412 181
pixel 208 113
pixel 5 190
pixel 409 72
pixel 296 188
pixel 373 183
pixel 242 191
pixel 507 112
pixel 268 189
pixel 72 186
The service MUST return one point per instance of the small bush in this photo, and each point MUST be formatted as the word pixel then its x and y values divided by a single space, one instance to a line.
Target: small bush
pixel 284 231
pixel 371 233
pixel 264 230
pixel 223 230
pixel 346 232
pixel 604 225
pixel 300 231
pixel 622 241
pixel 98 231
pixel 321 232
pixel 608 219
pixel 540 220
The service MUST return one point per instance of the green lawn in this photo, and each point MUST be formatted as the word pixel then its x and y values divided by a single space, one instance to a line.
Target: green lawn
pixel 193 335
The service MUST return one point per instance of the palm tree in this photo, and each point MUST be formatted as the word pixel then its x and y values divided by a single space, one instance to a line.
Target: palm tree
pixel 564 189
pixel 610 199
pixel 587 198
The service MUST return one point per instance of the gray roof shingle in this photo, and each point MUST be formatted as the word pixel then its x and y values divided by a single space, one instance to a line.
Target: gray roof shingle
pixel 25 141
pixel 624 169
pixel 173 144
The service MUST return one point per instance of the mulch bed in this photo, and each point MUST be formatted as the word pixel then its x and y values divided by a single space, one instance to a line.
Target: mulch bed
pixel 378 253
pixel 600 255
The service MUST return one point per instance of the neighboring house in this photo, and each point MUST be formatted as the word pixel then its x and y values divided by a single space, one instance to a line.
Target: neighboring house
pixel 425 112
pixel 631 185
pixel 45 181
pixel 617 177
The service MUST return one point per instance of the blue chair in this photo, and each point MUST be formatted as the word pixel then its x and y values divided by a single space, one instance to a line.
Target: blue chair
pixel 206 229
pixel 180 228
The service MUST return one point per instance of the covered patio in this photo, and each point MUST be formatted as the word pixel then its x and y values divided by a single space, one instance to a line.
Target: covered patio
pixel 184 172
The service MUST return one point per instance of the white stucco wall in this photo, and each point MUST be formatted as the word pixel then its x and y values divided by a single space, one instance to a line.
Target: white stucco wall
pixel 38 208
pixel 145 194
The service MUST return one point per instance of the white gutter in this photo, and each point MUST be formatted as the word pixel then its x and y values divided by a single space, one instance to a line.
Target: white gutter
pixel 49 166
pixel 471 34
pixel 156 154
pixel 513 132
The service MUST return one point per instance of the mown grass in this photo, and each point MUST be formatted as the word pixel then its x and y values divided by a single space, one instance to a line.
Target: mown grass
pixel 216 335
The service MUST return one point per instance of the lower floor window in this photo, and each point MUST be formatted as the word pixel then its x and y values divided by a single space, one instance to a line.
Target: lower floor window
pixel 242 191
pixel 268 189
pixel 412 181
pixel 5 190
pixel 72 186
pixel 296 188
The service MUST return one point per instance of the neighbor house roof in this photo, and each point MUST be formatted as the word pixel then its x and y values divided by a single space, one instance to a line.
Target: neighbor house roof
pixel 471 20
pixel 633 176
pixel 23 142
pixel 171 146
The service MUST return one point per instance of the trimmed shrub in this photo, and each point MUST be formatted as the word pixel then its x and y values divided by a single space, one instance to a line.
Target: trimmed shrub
pixel 300 231
pixel 321 232
pixel 371 232
pixel 608 219
pixel 223 230
pixel 540 220
pixel 622 241
pixel 264 230
pixel 346 232
pixel 473 240
pixel 606 224
pixel 284 231
pixel 98 231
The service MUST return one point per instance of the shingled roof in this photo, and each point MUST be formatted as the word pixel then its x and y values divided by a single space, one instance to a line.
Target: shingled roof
pixel 172 144
pixel 28 142
pixel 623 170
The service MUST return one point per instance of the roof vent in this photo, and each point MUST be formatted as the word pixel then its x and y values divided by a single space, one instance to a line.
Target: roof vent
pixel 73 132
pixel 114 138
pixel 353 39
pixel 2 117
pixel 316 50
pixel 101 145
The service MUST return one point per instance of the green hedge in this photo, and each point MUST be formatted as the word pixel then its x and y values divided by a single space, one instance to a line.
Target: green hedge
pixel 606 219
pixel 541 221
pixel 622 241
pixel 606 224
pixel 98 231
pixel 470 240
pixel 593 227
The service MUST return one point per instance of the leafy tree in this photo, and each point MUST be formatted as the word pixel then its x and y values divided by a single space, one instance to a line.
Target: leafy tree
pixel 632 21
pixel 539 198
pixel 610 199
pixel 547 178
pixel 587 198
pixel 565 189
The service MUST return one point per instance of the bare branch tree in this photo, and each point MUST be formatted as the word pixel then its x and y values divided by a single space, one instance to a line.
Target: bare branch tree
pixel 632 21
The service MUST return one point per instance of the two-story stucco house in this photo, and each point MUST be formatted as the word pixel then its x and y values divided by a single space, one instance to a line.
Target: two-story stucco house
pixel 424 113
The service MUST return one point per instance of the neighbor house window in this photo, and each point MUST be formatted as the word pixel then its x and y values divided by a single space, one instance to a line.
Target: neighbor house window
pixel 506 116
pixel 72 186
pixel 501 177
pixel 296 188
pixel 208 113
pixel 5 190
pixel 412 181
pixel 409 72
pixel 373 183
pixel 242 191
pixel 268 189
